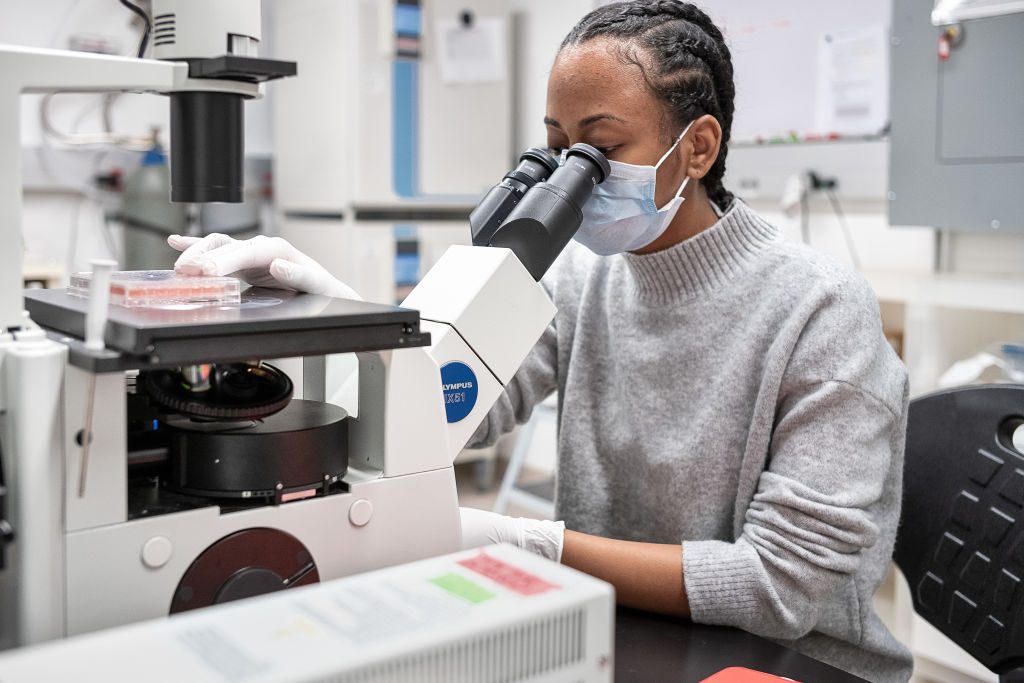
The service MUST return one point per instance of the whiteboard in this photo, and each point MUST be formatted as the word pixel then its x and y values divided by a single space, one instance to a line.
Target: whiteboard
pixel 790 78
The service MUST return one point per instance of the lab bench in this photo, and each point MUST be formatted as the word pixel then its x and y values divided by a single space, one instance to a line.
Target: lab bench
pixel 651 647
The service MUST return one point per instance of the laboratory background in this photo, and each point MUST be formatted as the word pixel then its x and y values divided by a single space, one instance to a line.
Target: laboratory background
pixel 885 133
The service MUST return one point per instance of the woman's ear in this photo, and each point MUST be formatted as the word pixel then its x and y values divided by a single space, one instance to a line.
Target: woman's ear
pixel 705 139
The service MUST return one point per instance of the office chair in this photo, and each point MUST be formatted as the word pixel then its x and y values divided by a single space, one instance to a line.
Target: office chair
pixel 961 538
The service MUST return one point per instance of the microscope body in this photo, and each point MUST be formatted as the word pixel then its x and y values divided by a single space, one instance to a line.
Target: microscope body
pixel 123 549
pixel 75 559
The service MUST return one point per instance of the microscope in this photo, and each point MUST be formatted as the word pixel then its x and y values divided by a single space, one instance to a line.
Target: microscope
pixel 169 467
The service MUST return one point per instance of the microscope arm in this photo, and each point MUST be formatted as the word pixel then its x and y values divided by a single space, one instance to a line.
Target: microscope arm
pixel 496 312
pixel 484 309
pixel 419 407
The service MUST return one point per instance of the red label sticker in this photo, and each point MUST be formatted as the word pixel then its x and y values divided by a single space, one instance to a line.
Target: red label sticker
pixel 504 574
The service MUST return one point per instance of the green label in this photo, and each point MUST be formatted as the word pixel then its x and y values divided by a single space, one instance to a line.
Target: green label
pixel 462 587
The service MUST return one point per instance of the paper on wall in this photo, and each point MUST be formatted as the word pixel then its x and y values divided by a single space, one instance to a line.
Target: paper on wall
pixel 853 81
pixel 473 53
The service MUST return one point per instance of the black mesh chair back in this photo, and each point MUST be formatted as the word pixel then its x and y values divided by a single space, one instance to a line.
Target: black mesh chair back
pixel 960 543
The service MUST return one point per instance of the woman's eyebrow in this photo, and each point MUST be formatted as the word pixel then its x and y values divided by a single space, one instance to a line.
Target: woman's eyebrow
pixel 599 117
pixel 586 121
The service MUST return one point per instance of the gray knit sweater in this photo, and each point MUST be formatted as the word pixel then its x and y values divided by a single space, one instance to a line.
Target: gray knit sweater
pixel 735 394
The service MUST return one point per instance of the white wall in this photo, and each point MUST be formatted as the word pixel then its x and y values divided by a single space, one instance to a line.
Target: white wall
pixel 541 26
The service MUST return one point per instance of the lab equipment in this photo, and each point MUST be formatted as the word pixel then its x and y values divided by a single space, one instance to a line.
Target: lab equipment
pixel 38 426
pixel 218 41
pixel 177 514
pixel 498 614
pixel 535 165
pixel 170 515
pixel 204 60
pixel 540 225
pixel 155 288
pixel 957 140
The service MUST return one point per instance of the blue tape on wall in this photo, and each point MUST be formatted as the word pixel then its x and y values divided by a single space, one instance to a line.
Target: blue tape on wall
pixel 407 20
pixel 405 104
pixel 405 139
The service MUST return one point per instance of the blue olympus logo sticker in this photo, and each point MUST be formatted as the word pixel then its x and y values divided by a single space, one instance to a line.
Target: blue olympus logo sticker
pixel 460 388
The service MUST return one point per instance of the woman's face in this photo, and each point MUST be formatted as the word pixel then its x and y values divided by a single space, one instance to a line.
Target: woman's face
pixel 595 98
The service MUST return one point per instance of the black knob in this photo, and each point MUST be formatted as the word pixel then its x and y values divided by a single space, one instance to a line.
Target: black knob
pixel 6 537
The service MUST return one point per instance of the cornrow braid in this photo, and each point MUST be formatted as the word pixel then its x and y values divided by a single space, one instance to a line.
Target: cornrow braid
pixel 684 61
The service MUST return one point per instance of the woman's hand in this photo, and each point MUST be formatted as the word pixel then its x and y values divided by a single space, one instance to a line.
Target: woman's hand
pixel 481 527
pixel 647 576
pixel 262 261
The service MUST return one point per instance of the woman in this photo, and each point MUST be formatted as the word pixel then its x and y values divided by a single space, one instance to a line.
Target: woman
pixel 731 418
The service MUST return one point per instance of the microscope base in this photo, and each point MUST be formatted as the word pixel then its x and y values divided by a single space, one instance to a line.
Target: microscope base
pixel 128 572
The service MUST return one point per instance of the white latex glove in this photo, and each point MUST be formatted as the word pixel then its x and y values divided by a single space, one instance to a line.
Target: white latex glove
pixel 262 261
pixel 540 536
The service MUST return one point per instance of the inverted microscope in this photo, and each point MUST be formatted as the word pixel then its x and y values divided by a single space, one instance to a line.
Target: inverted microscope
pixel 170 467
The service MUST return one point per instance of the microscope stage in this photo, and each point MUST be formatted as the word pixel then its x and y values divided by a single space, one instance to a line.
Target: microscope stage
pixel 268 323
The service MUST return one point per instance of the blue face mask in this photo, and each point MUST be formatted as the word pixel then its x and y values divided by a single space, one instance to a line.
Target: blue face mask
pixel 621 214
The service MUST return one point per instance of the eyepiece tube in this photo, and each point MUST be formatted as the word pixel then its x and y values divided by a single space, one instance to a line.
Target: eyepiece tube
pixel 207 146
pixel 540 226
pixel 535 165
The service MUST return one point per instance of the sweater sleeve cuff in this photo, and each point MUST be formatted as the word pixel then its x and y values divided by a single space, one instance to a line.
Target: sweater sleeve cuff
pixel 721 582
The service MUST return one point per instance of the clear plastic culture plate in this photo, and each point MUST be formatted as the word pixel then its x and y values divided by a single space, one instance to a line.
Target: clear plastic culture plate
pixel 153 288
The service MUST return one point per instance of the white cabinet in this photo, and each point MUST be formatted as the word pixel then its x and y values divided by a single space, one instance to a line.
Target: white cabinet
pixel 941 319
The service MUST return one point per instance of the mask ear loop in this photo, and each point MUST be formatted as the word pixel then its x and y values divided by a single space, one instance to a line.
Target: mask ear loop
pixel 674 145
pixel 672 149
pixel 685 180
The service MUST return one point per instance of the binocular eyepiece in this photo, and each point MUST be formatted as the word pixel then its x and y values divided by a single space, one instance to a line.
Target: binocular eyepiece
pixel 535 165
pixel 537 207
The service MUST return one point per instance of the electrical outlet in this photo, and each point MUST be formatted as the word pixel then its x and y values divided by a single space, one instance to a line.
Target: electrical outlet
pixel 749 187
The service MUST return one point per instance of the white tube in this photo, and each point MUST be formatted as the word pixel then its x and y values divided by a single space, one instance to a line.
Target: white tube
pixel 99 298
pixel 32 587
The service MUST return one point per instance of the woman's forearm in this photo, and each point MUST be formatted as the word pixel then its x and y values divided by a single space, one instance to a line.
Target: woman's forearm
pixel 647 576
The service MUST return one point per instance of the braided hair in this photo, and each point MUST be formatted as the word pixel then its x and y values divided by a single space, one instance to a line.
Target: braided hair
pixel 683 59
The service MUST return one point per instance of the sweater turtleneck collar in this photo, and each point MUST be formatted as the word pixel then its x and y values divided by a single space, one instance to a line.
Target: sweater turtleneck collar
pixel 704 261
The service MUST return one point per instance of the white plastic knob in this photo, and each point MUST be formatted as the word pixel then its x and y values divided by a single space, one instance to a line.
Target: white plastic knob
pixel 360 512
pixel 157 551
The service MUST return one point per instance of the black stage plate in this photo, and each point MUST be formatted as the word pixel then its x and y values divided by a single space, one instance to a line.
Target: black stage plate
pixel 269 323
